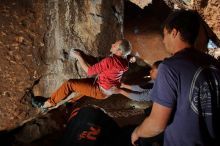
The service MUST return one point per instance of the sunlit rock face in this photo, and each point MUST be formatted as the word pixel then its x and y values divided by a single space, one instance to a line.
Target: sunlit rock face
pixel 35 38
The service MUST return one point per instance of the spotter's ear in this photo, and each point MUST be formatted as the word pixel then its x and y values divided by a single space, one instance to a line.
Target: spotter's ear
pixel 174 32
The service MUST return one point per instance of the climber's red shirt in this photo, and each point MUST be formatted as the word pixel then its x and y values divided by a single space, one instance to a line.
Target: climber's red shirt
pixel 109 71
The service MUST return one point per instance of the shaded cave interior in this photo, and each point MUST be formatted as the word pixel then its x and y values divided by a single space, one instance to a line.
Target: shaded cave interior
pixel 143 28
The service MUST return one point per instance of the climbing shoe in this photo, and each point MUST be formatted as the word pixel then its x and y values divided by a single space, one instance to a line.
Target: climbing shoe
pixel 38 102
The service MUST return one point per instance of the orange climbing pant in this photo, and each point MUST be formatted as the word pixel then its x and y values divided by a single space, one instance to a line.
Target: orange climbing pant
pixel 85 87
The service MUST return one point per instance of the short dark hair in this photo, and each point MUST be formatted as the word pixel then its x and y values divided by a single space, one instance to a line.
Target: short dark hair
pixel 125 47
pixel 187 22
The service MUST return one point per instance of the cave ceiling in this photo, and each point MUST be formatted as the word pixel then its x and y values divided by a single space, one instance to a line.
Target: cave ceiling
pixel 180 3
pixel 208 9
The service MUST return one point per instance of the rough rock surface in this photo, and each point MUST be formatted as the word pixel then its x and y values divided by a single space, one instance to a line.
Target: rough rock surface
pixel 35 38
pixel 208 9
pixel 22 47
pixel 143 29
pixel 84 25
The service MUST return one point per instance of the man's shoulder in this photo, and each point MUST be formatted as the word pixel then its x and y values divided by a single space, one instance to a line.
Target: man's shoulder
pixel 111 58
pixel 115 61
pixel 171 61
pixel 106 59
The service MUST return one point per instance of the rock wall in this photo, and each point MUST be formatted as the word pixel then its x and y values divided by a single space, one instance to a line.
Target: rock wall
pixel 22 30
pixel 208 9
pixel 35 38
pixel 143 29
pixel 90 26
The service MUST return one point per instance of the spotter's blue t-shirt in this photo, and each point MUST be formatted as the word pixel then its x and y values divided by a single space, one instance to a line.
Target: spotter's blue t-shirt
pixel 189 83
